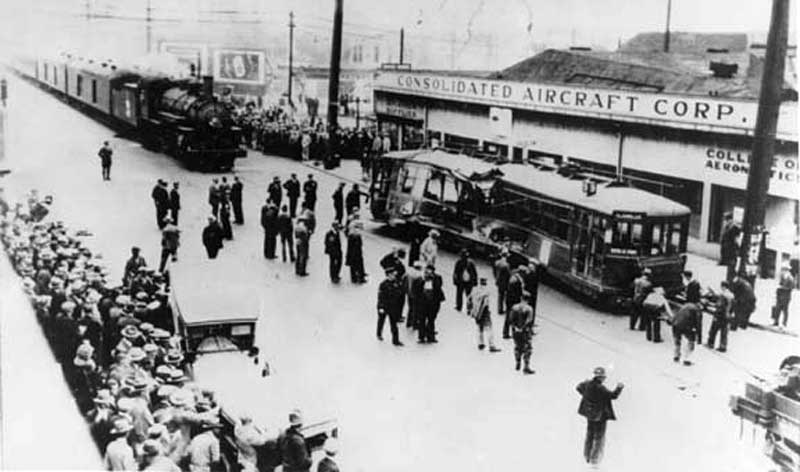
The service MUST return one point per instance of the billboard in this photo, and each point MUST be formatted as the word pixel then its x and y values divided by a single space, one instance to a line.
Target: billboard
pixel 239 66
pixel 187 54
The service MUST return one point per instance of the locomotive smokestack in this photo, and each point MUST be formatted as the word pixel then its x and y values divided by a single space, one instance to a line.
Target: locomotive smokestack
pixel 208 86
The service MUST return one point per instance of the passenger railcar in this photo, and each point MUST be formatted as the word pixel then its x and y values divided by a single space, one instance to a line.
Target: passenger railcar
pixel 179 117
pixel 594 236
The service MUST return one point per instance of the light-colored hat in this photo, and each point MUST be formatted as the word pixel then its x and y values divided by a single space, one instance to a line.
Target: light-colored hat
pixel 131 332
pixel 136 354
pixel 599 372
pixel 296 417
pixel 104 397
pixel 331 446
pixel 121 425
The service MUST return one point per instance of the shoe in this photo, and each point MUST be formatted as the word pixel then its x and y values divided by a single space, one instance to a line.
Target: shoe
pixel 458 308
pixel 481 346
pixel 517 367
pixel 398 344
pixel 676 359
pixel 494 349
pixel 505 336
pixel 687 362
pixel 380 338
pixel 721 349
pixel 528 371
pixel 421 341
pixel 401 319
pixel 708 345
pixel 433 340
pixel 658 341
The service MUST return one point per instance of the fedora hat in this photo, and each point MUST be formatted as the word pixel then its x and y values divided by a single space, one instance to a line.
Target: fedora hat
pixel 599 372
pixel 121 425
pixel 131 332
pixel 295 417
pixel 136 354
pixel 176 376
pixel 173 357
pixel 159 334
pixel 104 397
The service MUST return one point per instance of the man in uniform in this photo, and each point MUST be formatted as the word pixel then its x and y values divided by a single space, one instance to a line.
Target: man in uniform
pixel 310 192
pixel 502 274
pixel 783 296
pixel 465 276
pixel 269 222
pixel 212 237
pixel 292 443
pixel 333 248
pixel 480 309
pixel 641 289
pixel 301 236
pixel 214 197
pixel 286 231
pixel 353 200
pixel 516 287
pixel 723 300
pixel 431 298
pixel 105 153
pixel 391 296
pixel 161 200
pixel 522 320
pixel 338 202
pixel 236 200
pixel 275 191
pixel 174 202
pixel 292 187
pixel 596 407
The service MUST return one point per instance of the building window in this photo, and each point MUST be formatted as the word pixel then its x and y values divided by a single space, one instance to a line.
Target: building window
pixel 45 72
pixel 377 54
pixel 94 91
pixel 79 86
pixel 55 76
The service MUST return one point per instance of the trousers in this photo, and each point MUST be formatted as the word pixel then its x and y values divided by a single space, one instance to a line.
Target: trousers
pixel 677 335
pixel 718 326
pixel 652 324
pixel 287 241
pixel 392 325
pixel 270 245
pixel 595 441
pixel 485 334
pixel 501 299
pixel 334 266
pixel 462 290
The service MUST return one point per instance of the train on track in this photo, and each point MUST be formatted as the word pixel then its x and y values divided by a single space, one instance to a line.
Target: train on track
pixel 180 117
pixel 593 235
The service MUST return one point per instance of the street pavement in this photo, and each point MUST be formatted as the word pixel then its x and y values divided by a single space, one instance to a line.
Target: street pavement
pixel 446 406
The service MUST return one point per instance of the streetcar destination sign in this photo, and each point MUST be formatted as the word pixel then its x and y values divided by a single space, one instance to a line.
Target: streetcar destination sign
pixel 681 111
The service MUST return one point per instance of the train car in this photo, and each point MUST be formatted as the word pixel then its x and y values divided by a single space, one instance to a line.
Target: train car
pixel 179 117
pixel 592 235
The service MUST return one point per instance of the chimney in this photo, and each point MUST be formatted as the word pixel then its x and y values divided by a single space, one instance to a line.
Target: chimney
pixel 208 86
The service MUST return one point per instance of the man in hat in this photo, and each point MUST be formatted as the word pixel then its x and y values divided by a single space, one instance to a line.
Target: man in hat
pixel 204 454
pixel 327 464
pixel 248 438
pixel 338 202
pixel 694 295
pixel 429 250
pixel 355 256
pixel 414 283
pixel 153 458
pixel 286 231
pixel 105 154
pixel 160 197
pixel 395 260
pixel 465 276
pixel 516 287
pixel 783 296
pixel 269 222
pixel 301 237
pixel 170 241
pixel 391 297
pixel 174 202
pixel 333 248
pixel 310 192
pixel 100 418
pixel 212 237
pixel 214 197
pixel 684 325
pixel 119 454
pixel 723 303
pixel 132 265
pixel 521 320
pixel 641 289
pixel 744 302
pixel 236 200
pixel 479 308
pixel 292 187
pixel 353 200
pixel 729 245
pixel 502 274
pixel 430 301
pixel 275 191
pixel 292 443
pixel 596 407
pixel 654 307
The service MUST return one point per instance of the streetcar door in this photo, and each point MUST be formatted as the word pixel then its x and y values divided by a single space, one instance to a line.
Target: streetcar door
pixel 581 245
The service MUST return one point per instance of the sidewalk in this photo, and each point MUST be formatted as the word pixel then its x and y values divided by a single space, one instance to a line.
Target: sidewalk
pixel 705 270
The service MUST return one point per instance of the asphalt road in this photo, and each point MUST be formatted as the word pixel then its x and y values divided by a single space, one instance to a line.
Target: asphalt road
pixel 421 407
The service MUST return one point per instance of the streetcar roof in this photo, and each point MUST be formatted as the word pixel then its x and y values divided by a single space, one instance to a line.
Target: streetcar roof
pixel 203 295
pixel 605 200
pixel 468 167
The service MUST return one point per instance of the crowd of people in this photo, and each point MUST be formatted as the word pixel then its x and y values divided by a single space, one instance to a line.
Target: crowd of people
pixel 123 360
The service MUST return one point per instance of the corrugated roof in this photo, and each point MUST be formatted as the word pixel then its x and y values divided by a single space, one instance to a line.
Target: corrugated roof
pixel 686 43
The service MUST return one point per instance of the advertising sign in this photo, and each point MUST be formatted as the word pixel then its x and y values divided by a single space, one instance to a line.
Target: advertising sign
pixel 188 54
pixel 238 66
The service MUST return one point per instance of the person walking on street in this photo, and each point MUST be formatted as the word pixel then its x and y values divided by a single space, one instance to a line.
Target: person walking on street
pixel 170 241
pixel 310 192
pixel 275 191
pixel 729 245
pixel 311 220
pixel 225 219
pixel 333 248
pixel 516 287
pixel 174 202
pixel 465 276
pixel 596 407
pixel 429 250
pixel 502 275
pixel 724 302
pixel 292 187
pixel 694 294
pixel 641 289
pixel 236 200
pixel 391 296
pixel 214 197
pixel 212 237
pixel 521 320
pixel 414 247
pixel 301 235
pixel 479 309
pixel 224 190
pixel 431 299
pixel 294 450
pixel 783 296
pixel 161 200
pixel 105 154
pixel 286 231
pixel 338 202
pixel 414 283
pixel 353 200
pixel 684 325
pixel 355 256
pixel 269 222
pixel 744 302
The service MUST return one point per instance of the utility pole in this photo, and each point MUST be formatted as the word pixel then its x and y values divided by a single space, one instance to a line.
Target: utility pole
pixel 666 32
pixel 769 102
pixel 291 54
pixel 402 38
pixel 333 81
pixel 148 21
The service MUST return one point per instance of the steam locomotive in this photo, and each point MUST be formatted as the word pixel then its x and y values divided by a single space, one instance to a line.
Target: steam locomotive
pixel 178 117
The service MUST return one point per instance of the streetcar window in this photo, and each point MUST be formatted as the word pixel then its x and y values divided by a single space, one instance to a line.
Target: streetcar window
pixel 79 86
pixel 627 237
pixel 420 181
pixel 46 67
pixel 450 190
pixel 94 91
pixel 675 239
pixel 407 178
pixel 433 187
pixel 657 247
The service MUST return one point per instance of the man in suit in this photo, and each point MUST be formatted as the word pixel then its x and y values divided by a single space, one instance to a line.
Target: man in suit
pixel 744 302
pixel 161 200
pixel 275 191
pixel 294 449
pixel 333 248
pixel 292 187
pixel 338 202
pixel 684 325
pixel 174 202
pixel 301 236
pixel 212 237
pixel 694 295
pixel 170 241
pixel 391 297
pixel 521 320
pixel 214 197
pixel 502 274
pixel 269 222
pixel 286 231
pixel 353 200
pixel 431 298
pixel 105 153
pixel 310 192
pixel 516 286
pixel 596 407
pixel 236 201
pixel 465 276
pixel 641 289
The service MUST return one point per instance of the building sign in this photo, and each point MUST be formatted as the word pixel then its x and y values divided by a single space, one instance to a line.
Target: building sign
pixel 244 67
pixel 385 106
pixel 678 111
pixel 188 54
pixel 730 167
